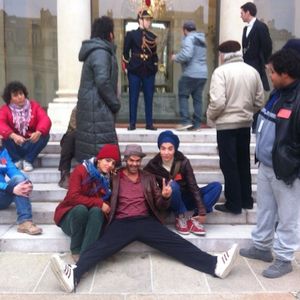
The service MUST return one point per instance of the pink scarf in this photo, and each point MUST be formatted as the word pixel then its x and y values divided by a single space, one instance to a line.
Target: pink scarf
pixel 21 116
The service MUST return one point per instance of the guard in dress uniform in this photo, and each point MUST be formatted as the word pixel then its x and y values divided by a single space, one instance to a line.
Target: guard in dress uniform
pixel 140 59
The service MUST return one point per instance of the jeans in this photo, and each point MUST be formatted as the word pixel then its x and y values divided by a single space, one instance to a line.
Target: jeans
pixel 234 152
pixel 183 201
pixel 135 83
pixel 149 231
pixel 190 86
pixel 28 151
pixel 23 204
pixel 83 225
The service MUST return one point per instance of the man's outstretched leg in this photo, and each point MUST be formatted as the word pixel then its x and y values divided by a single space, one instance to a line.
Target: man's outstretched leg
pixel 119 234
pixel 161 238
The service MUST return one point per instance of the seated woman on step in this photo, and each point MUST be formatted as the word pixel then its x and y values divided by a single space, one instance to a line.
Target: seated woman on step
pixel 24 125
pixel 81 214
pixel 17 189
pixel 171 164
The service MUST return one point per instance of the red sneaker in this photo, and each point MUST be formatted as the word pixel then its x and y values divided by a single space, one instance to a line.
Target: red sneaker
pixel 196 227
pixel 181 225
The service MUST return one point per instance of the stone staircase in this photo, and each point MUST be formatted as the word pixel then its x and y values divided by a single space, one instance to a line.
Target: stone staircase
pixel 199 147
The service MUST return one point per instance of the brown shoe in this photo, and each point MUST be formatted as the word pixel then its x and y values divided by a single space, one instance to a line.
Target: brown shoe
pixel 30 228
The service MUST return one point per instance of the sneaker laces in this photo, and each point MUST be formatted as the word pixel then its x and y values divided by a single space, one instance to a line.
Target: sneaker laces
pixel 182 222
pixel 197 224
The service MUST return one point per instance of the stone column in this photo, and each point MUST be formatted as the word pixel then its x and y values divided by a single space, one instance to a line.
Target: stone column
pixel 231 24
pixel 296 14
pixel 2 50
pixel 73 26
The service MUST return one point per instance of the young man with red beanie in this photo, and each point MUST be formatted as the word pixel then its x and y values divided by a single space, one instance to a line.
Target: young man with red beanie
pixel 81 214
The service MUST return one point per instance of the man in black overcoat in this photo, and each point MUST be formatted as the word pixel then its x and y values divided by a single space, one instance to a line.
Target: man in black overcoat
pixel 256 42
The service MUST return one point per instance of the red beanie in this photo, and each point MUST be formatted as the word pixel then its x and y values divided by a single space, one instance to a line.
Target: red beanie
pixel 109 151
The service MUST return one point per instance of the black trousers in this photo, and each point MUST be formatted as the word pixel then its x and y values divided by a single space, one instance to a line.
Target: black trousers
pixel 234 152
pixel 67 152
pixel 150 232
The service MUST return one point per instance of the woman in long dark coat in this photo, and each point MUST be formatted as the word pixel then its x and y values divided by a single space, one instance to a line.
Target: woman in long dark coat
pixel 98 103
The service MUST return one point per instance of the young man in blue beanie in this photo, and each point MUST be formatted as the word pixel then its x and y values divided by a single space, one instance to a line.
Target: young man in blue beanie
pixel 278 179
pixel 171 165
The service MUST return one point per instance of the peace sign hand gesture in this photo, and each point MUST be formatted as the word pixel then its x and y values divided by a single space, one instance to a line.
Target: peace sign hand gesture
pixel 166 188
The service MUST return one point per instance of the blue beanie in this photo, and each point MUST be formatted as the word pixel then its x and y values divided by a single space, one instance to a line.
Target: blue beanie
pixel 292 44
pixel 168 136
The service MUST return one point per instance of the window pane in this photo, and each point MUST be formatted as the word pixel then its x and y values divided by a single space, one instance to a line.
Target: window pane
pixel 281 18
pixel 29 28
pixel 2 52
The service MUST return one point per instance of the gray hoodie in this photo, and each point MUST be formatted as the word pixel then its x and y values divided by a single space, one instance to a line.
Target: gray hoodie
pixel 192 55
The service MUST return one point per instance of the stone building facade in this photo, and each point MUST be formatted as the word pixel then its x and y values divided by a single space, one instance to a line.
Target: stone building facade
pixel 40 42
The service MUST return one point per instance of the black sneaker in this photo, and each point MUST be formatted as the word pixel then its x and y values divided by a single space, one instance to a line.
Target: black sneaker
pixel 194 128
pixel 223 208
pixel 131 127
pixel 151 127
pixel 254 253
pixel 278 269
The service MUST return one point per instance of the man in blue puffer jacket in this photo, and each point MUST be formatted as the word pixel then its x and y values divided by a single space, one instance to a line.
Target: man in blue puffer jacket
pixel 17 190
pixel 192 57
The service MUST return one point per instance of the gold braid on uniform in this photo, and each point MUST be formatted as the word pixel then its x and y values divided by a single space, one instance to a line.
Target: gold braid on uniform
pixel 148 43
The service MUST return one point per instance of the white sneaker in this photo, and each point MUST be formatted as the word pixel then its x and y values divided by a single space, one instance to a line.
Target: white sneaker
pixel 27 166
pixel 63 272
pixel 19 164
pixel 183 127
pixel 226 261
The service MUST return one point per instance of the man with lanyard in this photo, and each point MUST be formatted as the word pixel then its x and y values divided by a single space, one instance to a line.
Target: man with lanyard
pixel 278 179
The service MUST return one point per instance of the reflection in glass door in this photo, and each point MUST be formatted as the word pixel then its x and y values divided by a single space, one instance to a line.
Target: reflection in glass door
pixel 28 46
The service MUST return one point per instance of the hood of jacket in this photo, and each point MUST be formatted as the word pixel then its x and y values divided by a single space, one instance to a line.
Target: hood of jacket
pixel 88 46
pixel 199 38
pixel 192 55
pixel 233 57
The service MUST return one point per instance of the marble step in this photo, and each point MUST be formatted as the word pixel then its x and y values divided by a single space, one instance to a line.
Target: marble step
pixel 51 192
pixel 218 238
pixel 47 192
pixel 197 161
pixel 43 213
pixel 151 149
pixel 205 135
pixel 52 175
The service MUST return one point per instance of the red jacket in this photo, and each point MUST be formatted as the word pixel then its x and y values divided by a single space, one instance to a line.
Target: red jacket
pixel 78 193
pixel 39 121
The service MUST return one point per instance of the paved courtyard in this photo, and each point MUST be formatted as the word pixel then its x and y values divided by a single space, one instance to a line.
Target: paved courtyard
pixel 143 276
